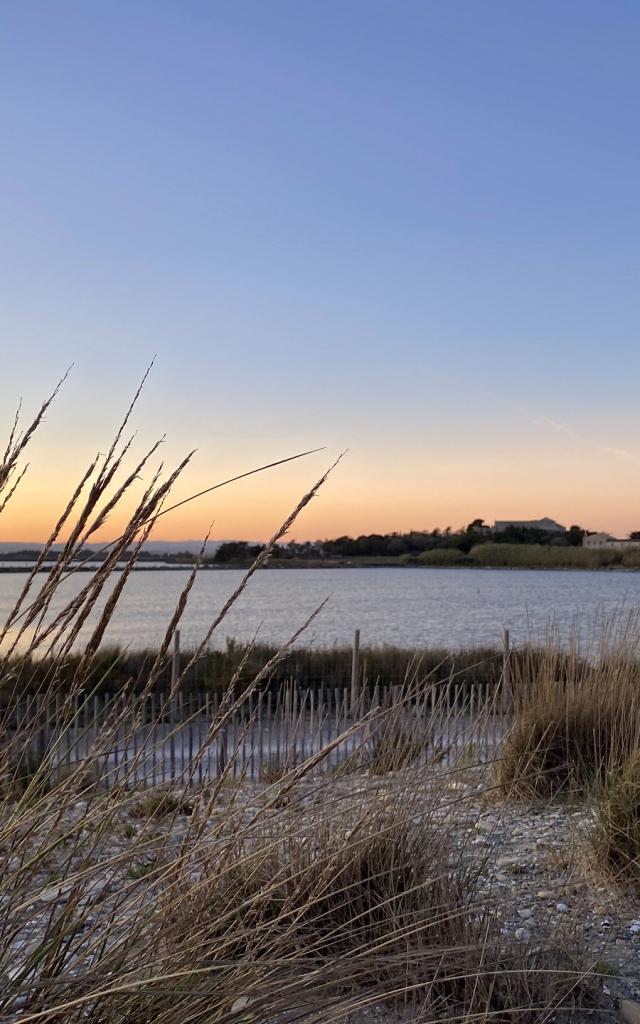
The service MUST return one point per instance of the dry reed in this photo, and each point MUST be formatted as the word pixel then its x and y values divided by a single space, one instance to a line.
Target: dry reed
pixel 194 903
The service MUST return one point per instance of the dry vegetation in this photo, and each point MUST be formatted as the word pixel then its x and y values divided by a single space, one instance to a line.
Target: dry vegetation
pixel 616 836
pixel 313 902
pixel 315 667
pixel 576 717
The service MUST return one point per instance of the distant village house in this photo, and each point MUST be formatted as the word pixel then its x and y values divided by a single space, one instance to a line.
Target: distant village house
pixel 605 540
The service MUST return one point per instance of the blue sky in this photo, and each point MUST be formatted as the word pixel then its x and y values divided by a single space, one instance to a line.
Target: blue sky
pixel 410 229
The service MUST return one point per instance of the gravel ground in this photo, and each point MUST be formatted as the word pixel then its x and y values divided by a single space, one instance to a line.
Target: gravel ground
pixel 533 862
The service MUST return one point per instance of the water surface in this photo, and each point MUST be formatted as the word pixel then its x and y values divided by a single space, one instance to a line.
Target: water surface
pixel 409 607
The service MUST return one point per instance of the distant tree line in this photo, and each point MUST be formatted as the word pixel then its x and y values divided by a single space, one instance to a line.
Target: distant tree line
pixel 98 555
pixel 407 546
pixel 234 551
pixel 396 545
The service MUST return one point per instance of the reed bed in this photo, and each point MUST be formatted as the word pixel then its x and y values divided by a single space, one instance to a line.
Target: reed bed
pixel 548 556
pixel 317 898
pixel 309 668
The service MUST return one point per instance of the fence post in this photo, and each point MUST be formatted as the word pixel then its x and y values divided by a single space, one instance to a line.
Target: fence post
pixel 173 702
pixel 506 671
pixel 175 660
pixel 355 670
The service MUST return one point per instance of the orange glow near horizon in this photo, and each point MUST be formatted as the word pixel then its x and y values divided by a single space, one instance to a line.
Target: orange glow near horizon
pixel 478 459
pixel 363 495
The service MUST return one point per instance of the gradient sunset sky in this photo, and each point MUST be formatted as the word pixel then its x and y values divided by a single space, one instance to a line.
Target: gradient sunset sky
pixel 408 229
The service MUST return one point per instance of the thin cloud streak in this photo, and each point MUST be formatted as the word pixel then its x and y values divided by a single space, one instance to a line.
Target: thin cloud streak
pixel 620 453
pixel 562 428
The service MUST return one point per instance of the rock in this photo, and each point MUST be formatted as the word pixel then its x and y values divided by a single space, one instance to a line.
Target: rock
pixel 629 1011
pixel 240 1003
pixel 545 894
pixel 55 895
pixel 523 934
pixel 525 913
pixel 562 908
pixel 511 865
pixel 486 825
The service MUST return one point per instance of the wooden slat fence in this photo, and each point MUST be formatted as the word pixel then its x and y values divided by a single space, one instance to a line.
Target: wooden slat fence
pixel 195 736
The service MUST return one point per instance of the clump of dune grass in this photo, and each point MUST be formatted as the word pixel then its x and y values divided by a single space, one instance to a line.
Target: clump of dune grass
pixel 367 902
pixel 158 805
pixel 401 738
pixel 576 715
pixel 615 837
pixel 395 749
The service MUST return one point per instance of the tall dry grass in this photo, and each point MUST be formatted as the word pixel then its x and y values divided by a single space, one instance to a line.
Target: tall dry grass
pixel 615 836
pixel 315 900
pixel 310 667
pixel 576 711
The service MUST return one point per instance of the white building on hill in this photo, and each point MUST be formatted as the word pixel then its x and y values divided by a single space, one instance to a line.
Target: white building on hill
pixel 547 524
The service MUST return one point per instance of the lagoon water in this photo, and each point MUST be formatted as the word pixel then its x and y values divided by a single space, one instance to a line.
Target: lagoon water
pixel 452 608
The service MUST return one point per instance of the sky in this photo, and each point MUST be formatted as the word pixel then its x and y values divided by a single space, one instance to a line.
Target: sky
pixel 410 230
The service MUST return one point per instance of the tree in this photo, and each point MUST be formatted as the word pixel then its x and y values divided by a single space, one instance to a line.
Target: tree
pixel 575 535
pixel 476 524
pixel 397 546
pixel 237 551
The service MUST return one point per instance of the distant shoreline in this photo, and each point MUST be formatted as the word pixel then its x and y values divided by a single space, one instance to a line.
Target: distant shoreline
pixel 276 567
